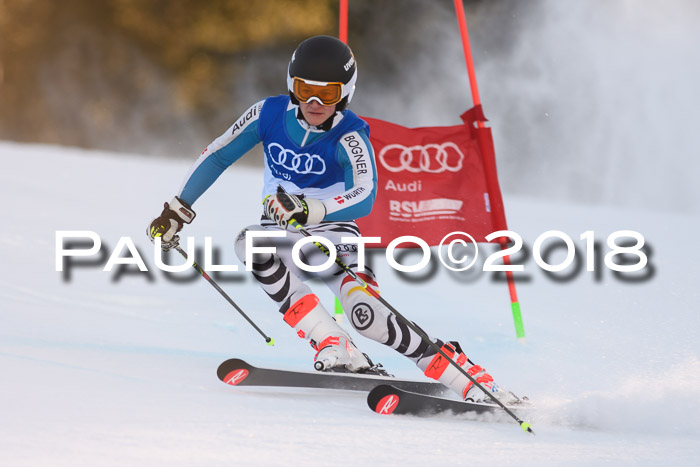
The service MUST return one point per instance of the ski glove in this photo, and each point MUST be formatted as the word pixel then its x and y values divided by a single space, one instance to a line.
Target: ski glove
pixel 283 207
pixel 169 223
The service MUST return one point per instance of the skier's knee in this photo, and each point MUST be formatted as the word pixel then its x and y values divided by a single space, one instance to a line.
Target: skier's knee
pixel 240 244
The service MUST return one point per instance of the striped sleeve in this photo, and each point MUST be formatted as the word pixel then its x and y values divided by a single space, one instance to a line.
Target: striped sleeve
pixel 356 156
pixel 240 138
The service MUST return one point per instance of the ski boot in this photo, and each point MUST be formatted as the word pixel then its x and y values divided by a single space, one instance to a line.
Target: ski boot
pixel 443 371
pixel 335 350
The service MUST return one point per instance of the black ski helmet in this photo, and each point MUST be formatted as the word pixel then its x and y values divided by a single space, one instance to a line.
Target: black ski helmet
pixel 324 59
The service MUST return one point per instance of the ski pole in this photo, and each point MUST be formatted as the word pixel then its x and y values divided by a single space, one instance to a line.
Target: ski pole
pixel 269 340
pixel 524 425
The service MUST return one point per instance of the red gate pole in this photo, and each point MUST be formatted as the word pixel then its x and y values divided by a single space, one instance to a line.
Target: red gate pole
pixel 343 26
pixel 515 305
pixel 461 18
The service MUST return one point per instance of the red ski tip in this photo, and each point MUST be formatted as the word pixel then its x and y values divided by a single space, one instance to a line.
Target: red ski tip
pixel 387 404
pixel 236 376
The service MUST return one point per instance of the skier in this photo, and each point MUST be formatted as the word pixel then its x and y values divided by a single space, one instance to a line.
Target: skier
pixel 319 171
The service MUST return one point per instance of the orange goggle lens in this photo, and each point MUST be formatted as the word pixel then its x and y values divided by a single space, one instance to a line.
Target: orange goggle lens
pixel 328 93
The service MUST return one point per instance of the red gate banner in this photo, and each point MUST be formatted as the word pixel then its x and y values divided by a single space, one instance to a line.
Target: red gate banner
pixel 433 181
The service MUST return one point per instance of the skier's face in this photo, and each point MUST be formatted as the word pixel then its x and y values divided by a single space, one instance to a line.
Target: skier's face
pixel 315 113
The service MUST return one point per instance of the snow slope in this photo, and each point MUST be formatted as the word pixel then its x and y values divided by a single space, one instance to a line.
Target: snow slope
pixel 120 370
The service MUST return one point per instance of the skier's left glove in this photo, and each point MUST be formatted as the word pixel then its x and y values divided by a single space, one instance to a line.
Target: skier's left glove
pixel 283 207
pixel 169 223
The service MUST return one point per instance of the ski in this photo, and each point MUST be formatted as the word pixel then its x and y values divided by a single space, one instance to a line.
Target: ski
pixel 237 372
pixel 387 399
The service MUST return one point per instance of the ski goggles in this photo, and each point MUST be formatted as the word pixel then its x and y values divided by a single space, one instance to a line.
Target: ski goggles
pixel 328 93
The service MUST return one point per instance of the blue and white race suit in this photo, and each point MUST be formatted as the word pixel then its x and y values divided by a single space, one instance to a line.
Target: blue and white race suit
pixel 335 166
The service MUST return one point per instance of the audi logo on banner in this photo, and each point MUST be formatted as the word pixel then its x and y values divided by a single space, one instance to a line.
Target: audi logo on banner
pixel 430 158
pixel 301 164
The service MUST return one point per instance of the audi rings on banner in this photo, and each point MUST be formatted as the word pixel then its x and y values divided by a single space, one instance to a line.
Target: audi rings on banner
pixel 429 158
pixel 301 164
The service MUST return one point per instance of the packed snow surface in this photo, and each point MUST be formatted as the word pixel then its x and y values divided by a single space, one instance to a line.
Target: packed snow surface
pixel 100 368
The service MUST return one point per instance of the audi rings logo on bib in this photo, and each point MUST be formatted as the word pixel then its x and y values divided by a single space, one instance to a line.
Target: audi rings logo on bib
pixel 301 164
pixel 429 158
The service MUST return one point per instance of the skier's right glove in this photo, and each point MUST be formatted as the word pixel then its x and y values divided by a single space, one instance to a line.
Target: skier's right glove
pixel 169 223
pixel 283 207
